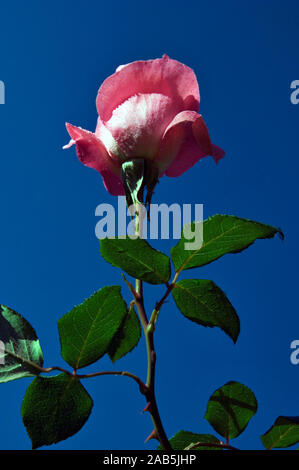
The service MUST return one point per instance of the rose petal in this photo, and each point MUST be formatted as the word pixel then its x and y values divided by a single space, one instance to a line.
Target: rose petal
pixel 138 124
pixel 164 76
pixel 201 134
pixel 176 135
pixel 112 147
pixel 218 153
pixel 186 140
pixel 112 183
pixel 92 153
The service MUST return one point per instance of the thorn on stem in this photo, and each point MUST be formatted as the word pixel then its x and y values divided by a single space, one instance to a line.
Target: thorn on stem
pixel 147 408
pixel 153 435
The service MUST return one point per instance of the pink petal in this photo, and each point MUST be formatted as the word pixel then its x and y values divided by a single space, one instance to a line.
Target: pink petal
pixel 218 153
pixel 138 124
pixel 186 140
pixel 112 147
pixel 201 134
pixel 92 153
pixel 164 76
pixel 113 183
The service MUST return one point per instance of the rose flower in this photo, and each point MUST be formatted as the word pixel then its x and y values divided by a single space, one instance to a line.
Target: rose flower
pixel 147 110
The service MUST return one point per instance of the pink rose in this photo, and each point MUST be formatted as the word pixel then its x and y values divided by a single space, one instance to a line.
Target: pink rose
pixel 147 109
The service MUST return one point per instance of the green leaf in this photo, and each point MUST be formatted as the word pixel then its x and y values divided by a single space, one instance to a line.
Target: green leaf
pixel 137 258
pixel 88 329
pixel 184 439
pixel 203 302
pixel 222 234
pixel 283 433
pixel 230 408
pixel 20 348
pixel 55 408
pixel 127 336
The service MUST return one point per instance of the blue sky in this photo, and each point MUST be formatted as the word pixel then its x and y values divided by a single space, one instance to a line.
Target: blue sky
pixel 53 59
